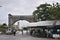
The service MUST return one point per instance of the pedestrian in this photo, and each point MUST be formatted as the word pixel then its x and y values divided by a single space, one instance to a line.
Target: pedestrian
pixel 14 32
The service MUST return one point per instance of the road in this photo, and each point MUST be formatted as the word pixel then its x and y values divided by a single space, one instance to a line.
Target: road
pixel 22 37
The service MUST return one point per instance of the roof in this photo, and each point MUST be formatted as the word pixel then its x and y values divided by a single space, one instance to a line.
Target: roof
pixel 45 23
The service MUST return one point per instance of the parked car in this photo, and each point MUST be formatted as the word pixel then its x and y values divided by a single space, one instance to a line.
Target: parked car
pixel 39 33
pixel 56 34
pixel 0 32
pixel 8 31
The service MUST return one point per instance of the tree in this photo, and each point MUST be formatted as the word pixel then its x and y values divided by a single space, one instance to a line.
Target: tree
pixel 47 12
pixel 3 27
pixel 55 10
pixel 4 24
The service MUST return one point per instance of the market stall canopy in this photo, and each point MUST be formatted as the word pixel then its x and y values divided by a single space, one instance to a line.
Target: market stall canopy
pixel 45 23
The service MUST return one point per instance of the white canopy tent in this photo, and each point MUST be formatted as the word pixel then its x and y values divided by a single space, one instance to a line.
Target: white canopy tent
pixel 45 23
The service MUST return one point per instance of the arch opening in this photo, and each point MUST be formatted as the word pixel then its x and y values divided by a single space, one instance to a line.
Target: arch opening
pixel 20 24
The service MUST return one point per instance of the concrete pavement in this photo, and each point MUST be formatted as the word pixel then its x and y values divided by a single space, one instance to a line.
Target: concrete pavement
pixel 22 37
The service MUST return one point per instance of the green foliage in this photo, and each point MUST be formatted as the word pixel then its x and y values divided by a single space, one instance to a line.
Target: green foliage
pixel 3 27
pixel 3 30
pixel 48 12
pixel 4 24
pixel 25 28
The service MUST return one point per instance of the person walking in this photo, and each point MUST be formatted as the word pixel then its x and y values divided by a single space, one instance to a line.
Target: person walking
pixel 14 32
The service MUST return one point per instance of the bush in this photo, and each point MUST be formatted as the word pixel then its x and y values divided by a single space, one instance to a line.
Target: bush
pixel 2 28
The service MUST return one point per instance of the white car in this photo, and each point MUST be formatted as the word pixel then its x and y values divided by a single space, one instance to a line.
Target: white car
pixel 8 32
pixel 0 32
pixel 56 35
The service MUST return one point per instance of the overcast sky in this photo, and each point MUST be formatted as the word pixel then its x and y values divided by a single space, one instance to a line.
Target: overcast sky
pixel 19 7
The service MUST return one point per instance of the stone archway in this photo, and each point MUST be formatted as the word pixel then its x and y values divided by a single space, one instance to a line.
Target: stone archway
pixel 14 18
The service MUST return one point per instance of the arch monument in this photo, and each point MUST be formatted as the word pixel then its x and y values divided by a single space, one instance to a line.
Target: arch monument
pixel 14 18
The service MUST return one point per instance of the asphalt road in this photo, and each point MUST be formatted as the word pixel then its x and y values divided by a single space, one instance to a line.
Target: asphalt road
pixel 22 37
